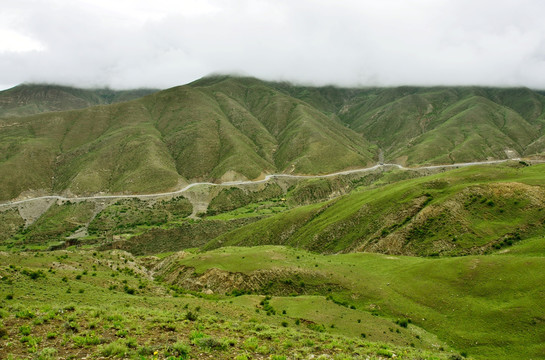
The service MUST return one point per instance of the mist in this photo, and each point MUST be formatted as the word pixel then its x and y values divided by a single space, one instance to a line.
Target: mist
pixel 133 44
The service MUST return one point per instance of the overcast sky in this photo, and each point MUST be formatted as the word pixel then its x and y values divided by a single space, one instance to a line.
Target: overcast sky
pixel 163 43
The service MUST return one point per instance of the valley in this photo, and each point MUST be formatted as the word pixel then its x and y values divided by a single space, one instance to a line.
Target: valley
pixel 233 218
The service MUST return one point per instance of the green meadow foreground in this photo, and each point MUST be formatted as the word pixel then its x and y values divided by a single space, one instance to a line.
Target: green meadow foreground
pixel 273 302
pixel 393 264
pixel 87 304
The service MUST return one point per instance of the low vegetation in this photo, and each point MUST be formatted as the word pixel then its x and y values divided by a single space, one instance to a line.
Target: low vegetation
pixel 49 317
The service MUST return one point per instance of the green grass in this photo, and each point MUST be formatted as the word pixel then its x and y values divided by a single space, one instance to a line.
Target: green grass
pixel 152 322
pixel 469 210
pixel 464 301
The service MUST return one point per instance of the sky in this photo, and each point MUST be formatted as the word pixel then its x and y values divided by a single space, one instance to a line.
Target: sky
pixel 126 44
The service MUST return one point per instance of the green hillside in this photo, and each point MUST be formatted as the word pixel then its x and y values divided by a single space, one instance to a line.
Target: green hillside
pixel 225 128
pixel 108 305
pixel 30 99
pixel 489 306
pixel 472 210
pixel 230 129
pixel 437 125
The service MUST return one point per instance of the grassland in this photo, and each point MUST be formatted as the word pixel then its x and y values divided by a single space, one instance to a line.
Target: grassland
pixel 286 302
pixel 465 301
pixel 387 264
pixel 106 305
pixel 465 211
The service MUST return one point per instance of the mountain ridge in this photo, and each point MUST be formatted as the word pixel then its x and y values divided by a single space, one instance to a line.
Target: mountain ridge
pixel 226 128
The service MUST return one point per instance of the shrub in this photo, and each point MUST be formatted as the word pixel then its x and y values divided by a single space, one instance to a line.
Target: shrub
pixel 25 330
pixel 194 335
pixel 316 327
pixel 116 349
pixel 71 326
pixel 179 349
pixel 121 333
pixel 210 343
pixel 384 352
pixel 87 340
pixel 129 290
pixel 25 314
pixel 47 354
pixel 34 275
pixel 251 343
pixel 131 342
pixel 190 316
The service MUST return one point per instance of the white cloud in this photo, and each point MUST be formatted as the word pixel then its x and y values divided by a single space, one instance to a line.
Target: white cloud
pixel 13 41
pixel 128 43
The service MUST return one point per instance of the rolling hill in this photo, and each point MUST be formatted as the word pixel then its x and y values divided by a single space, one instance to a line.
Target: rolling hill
pixel 225 128
pixel 471 210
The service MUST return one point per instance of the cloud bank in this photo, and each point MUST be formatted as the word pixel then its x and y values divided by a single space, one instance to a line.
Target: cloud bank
pixel 163 43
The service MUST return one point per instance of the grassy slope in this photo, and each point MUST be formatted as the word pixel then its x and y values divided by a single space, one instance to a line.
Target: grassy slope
pixel 83 304
pixel 233 128
pixel 437 125
pixel 30 99
pixel 444 125
pixel 489 306
pixel 225 128
pixel 469 210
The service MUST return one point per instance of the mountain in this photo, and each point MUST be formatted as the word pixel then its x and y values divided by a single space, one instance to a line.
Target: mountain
pixel 215 129
pixel 225 128
pixel 30 99
pixel 416 125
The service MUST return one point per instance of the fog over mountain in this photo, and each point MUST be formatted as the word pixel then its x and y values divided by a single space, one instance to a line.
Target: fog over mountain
pixel 129 44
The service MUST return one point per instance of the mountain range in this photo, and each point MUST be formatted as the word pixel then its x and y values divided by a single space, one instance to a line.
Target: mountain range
pixel 63 140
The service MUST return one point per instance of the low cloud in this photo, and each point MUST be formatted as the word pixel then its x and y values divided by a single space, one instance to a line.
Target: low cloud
pixel 128 44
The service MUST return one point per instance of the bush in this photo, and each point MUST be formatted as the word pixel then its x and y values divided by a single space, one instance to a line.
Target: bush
pixel 129 290
pixel 25 330
pixel 210 343
pixel 47 354
pixel 316 327
pixel 34 275
pixel 117 349
pixel 179 349
pixel 25 314
pixel 251 343
pixel 190 316
pixel 384 352
pixel 87 340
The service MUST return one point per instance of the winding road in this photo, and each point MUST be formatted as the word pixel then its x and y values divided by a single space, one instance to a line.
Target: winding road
pixel 234 183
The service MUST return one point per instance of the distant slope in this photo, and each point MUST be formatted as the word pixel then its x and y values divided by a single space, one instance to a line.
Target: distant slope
pixel 30 99
pixel 224 128
pixel 466 211
pixel 227 128
pixel 416 125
